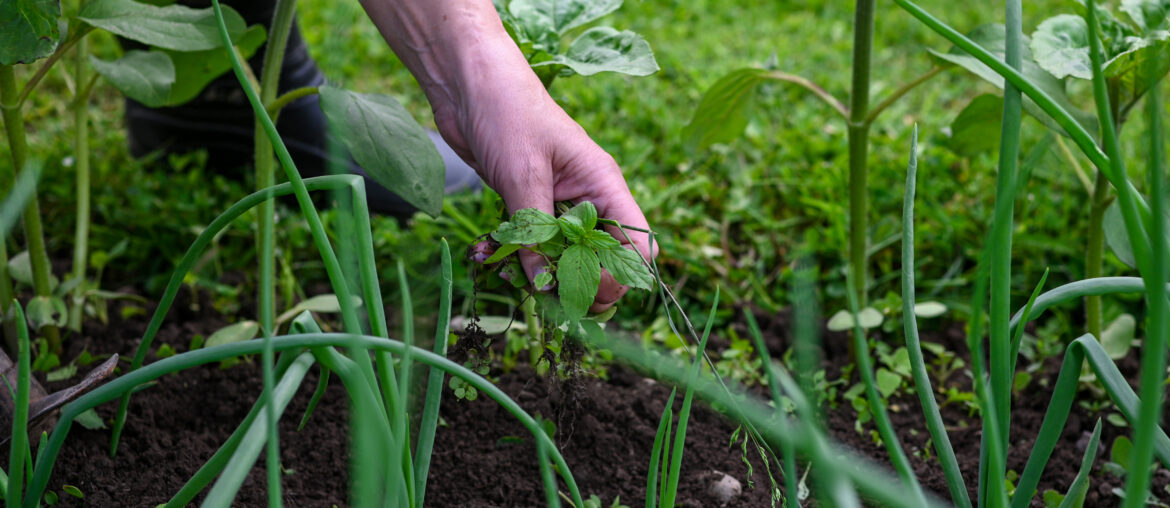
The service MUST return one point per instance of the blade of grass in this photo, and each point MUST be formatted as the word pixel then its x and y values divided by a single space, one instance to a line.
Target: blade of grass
pixel 878 407
pixel 237 469
pixel 115 388
pixel 400 418
pixel 18 449
pixel 787 451
pixel 211 469
pixel 1153 368
pixel 1075 497
pixel 934 422
pixel 547 477
pixel 684 414
pixel 430 415
pixel 659 452
pixel 1024 316
pixel 1064 393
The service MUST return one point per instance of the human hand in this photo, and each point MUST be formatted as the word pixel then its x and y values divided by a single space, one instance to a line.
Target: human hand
pixel 495 113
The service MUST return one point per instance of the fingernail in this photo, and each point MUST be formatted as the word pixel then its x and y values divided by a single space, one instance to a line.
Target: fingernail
pixel 505 275
pixel 479 257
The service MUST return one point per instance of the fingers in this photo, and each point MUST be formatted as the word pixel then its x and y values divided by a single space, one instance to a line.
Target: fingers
pixel 608 293
pixel 529 189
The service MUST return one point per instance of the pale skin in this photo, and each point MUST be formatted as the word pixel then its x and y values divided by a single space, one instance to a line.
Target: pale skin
pixel 495 113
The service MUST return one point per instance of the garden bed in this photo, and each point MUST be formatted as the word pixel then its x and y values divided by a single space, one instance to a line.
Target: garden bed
pixel 483 457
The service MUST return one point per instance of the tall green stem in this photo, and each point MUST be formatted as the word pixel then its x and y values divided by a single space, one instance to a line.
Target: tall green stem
pixel 33 231
pixel 1095 252
pixel 80 107
pixel 859 146
pixel 265 178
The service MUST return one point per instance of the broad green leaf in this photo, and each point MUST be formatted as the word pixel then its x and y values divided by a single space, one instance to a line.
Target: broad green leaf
pixel 238 332
pixel 195 69
pixel 20 268
pixel 1117 338
pixel 724 108
pixel 542 280
pixel 45 311
pixel 1116 237
pixel 62 373
pixel 73 491
pixel 326 304
pixel 887 382
pixel 1130 68
pixel 528 226
pixel 1148 15
pixel 144 76
pixel 28 30
pixel 90 420
pixel 389 144
pixel 976 129
pixel 495 325
pixel 1121 450
pixel 1060 46
pixel 561 15
pixel 600 240
pixel 928 310
pixel 991 37
pixel 504 251
pixel 174 27
pixel 578 276
pixel 586 212
pixel 869 317
pixel 572 228
pixel 626 267
pixel 605 49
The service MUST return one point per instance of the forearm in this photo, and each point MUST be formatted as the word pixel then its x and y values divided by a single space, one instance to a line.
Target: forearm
pixel 453 47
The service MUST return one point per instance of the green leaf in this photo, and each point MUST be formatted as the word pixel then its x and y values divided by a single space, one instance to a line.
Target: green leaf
pixel 1052 499
pixel 572 228
pixel 90 420
pixel 73 491
pixel 1060 46
pixel 1116 237
pixel 45 311
pixel 328 304
pixel 389 144
pixel 1148 15
pixel 605 49
pixel 561 15
pixel 145 76
pixel 1121 451
pixel 174 27
pixel 195 69
pixel 504 251
pixel 723 111
pixel 62 373
pixel 586 212
pixel 542 279
pixel 20 268
pixel 28 30
pixel 578 276
pixel 1075 498
pixel 869 317
pixel 928 310
pixel 976 129
pixel 495 325
pixel 1117 338
pixel 600 240
pixel 239 332
pixel 887 382
pixel 992 38
pixel 528 226
pixel 626 267
pixel 1130 67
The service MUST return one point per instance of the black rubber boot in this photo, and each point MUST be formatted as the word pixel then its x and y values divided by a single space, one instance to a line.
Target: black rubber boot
pixel 220 121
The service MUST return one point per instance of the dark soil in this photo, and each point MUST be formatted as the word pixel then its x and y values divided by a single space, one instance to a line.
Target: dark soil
pixel 483 456
pixel 964 428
